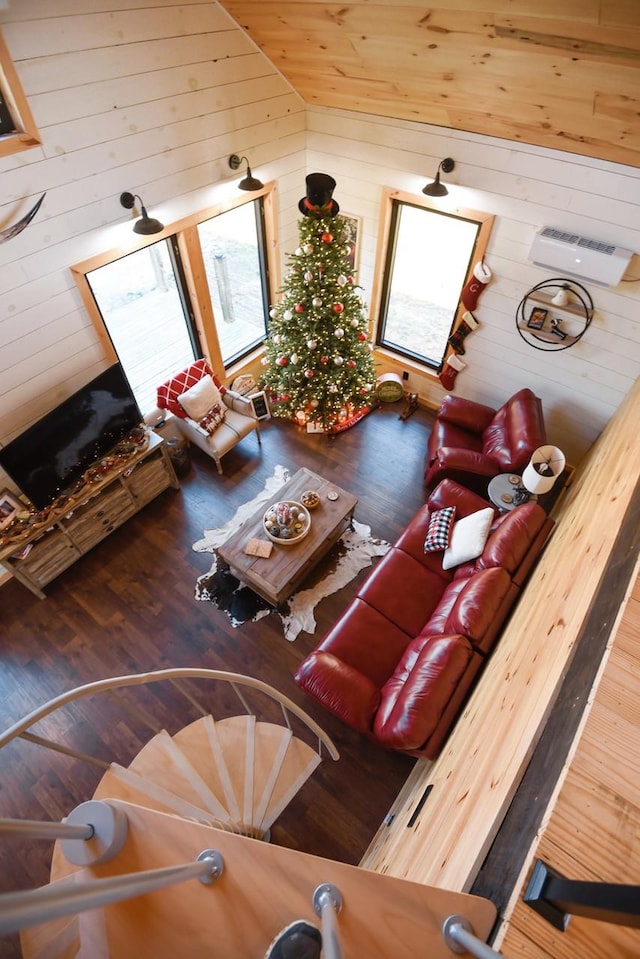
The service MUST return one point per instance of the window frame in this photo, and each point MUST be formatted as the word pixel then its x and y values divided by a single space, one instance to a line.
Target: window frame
pixel 25 136
pixel 185 240
pixel 383 260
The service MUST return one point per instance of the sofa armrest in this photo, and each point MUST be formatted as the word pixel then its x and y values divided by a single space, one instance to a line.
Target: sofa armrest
pixel 467 414
pixel 340 688
pixel 239 403
pixel 453 461
pixel 450 493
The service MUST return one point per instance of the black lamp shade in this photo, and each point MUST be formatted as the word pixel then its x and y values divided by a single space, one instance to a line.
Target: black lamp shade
pixel 437 188
pixel 250 183
pixel 146 225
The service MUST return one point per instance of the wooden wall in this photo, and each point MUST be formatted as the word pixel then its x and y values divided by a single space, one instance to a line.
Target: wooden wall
pixel 525 187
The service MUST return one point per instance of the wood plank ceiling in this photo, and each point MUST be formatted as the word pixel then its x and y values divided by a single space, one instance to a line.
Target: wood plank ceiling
pixel 557 73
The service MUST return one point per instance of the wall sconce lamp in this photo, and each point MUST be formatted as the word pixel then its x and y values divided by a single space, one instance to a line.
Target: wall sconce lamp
pixel 436 188
pixel 250 182
pixel 146 225
pixel 541 472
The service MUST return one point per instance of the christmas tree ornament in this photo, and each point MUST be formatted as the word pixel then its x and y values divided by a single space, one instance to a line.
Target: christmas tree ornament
pixel 283 361
pixel 312 344
pixel 342 280
pixel 362 337
pixel 450 370
pixel 316 301
pixel 327 237
pixel 295 358
pixel 338 360
pixel 308 249
pixel 324 360
pixel 318 202
pixel 299 307
pixel 338 307
pixel 467 325
pixel 333 388
pixel 273 313
pixel 351 364
pixel 308 276
pixel 308 373
pixel 339 332
pixel 475 285
pixel 314 404
pixel 355 323
pixel 347 251
pixel 298 252
pixel 276 338
pixel 265 360
pixel 287 315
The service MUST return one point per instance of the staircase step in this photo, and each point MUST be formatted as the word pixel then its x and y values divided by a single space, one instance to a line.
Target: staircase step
pixel 297 765
pixel 122 783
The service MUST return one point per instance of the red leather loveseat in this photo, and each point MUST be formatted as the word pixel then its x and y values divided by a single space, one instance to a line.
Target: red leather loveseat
pixel 400 662
pixel 471 442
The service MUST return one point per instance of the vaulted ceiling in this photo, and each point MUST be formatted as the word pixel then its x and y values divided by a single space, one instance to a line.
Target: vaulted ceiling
pixel 557 73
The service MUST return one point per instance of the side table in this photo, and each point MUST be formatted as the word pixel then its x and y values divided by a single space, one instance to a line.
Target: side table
pixel 503 492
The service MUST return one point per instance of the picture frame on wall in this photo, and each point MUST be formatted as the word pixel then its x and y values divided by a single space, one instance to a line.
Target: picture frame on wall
pixel 10 506
pixel 353 228
pixel 537 318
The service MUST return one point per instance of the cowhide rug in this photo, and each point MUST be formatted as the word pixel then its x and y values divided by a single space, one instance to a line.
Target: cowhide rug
pixel 354 551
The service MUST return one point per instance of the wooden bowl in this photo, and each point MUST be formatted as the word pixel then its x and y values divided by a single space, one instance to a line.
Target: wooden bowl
pixel 310 499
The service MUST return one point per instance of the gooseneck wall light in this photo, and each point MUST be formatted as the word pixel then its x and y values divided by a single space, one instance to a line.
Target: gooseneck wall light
pixel 436 188
pixel 146 225
pixel 249 182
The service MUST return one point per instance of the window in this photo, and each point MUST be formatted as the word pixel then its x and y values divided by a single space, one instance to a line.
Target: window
pixel 201 291
pixel 233 246
pixel 147 317
pixel 428 256
pixel 18 130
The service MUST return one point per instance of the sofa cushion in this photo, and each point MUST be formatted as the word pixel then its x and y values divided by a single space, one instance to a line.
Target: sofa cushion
pixel 168 393
pixel 509 543
pixel 365 639
pixel 468 538
pixel 415 697
pixel 403 590
pixel 213 418
pixel 477 604
pixel 438 534
pixel 200 398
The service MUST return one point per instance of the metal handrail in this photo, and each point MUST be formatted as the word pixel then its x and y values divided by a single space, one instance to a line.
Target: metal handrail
pixel 327 902
pixel 457 933
pixel 141 679
pixel 21 910
pixel 35 829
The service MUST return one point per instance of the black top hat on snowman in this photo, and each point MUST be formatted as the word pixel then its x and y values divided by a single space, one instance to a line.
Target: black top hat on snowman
pixel 318 201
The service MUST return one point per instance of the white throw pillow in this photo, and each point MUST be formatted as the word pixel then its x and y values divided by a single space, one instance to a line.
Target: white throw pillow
pixel 468 537
pixel 200 398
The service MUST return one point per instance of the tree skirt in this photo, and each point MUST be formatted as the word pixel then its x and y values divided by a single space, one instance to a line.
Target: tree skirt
pixel 353 552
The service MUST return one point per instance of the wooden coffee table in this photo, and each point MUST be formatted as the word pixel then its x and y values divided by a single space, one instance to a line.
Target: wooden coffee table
pixel 276 577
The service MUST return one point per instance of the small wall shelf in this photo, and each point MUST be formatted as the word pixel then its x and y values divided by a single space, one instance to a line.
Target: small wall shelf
pixel 545 326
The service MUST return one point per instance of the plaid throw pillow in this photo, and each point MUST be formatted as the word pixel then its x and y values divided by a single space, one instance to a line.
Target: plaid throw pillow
pixel 212 420
pixel 439 530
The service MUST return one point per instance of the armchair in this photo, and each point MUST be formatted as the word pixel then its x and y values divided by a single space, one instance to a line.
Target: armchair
pixel 233 420
pixel 471 443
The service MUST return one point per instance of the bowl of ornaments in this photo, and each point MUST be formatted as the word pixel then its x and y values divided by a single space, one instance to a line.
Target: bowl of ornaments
pixel 286 522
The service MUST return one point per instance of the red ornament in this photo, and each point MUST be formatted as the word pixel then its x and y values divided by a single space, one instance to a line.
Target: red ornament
pixel 351 364
pixel 324 360
pixel 308 374
pixel 337 307
pixel 362 337
pixel 327 237
pixel 299 307
pixel 282 360
pixel 349 279
pixel 285 398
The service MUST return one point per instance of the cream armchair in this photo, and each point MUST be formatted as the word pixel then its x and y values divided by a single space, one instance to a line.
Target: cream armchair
pixel 208 414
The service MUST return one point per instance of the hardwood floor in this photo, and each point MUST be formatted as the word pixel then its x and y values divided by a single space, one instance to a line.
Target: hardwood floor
pixel 129 606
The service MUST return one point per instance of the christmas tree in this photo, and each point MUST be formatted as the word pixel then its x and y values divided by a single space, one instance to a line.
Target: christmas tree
pixel 318 362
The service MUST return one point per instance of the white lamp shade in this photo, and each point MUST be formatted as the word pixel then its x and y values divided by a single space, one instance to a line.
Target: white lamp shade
pixel 543 469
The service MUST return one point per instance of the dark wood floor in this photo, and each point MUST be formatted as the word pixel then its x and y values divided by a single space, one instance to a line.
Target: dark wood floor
pixel 129 606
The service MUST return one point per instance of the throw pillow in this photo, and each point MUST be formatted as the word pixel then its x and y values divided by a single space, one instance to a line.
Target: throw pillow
pixel 439 529
pixel 200 398
pixel 468 538
pixel 212 420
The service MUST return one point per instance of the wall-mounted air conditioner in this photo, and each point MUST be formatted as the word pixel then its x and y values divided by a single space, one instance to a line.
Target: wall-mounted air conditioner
pixel 569 253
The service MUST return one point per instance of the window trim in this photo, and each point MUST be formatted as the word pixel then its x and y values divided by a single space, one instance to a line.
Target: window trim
pixel 445 206
pixel 26 136
pixel 185 233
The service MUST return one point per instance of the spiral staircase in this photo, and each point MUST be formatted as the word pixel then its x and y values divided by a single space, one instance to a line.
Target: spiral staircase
pixel 197 804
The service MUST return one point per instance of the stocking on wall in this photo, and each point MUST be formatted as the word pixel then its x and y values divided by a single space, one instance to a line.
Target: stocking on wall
pixel 475 285
pixel 452 366
pixel 467 325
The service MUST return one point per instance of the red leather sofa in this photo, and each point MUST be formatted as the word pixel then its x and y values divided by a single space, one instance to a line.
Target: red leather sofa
pixel 471 443
pixel 400 662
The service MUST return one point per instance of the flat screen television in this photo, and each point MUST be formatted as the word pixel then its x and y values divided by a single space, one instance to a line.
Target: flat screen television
pixel 54 453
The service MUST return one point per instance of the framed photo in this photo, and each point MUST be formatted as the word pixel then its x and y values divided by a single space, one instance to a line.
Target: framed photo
pixel 260 405
pixel 353 226
pixel 10 506
pixel 537 318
